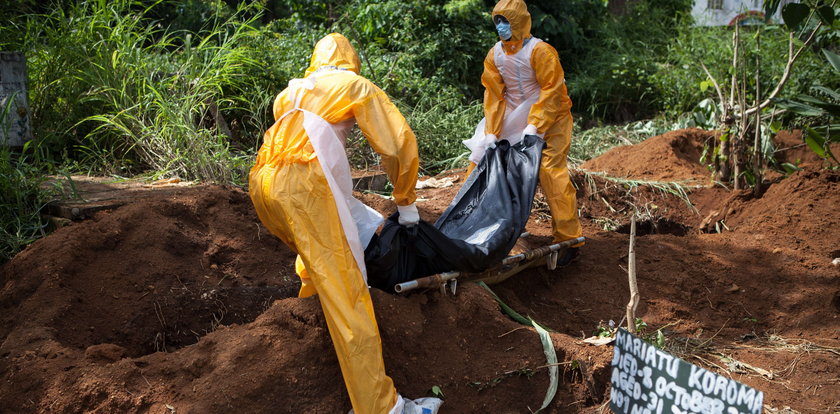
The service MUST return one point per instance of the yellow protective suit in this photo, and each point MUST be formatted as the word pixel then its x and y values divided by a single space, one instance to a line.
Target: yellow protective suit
pixel 294 200
pixel 551 115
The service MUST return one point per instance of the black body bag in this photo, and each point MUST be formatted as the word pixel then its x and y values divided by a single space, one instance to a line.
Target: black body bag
pixel 477 230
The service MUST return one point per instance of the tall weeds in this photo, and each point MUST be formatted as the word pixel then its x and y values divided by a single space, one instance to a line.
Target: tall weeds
pixel 133 93
pixel 21 202
pixel 21 196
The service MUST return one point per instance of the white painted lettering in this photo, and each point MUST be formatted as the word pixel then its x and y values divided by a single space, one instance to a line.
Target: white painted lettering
pixel 720 386
pixel 661 387
pixel 708 382
pixel 646 374
pixel 715 406
pixel 746 396
pixel 694 377
pixel 696 403
pixel 732 392
pixel 758 403
pixel 673 367
pixel 650 356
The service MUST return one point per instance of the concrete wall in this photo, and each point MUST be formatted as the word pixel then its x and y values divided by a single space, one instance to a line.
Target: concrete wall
pixel 15 128
pixel 725 12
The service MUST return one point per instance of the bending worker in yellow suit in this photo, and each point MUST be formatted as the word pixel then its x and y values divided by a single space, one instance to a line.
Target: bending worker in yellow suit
pixel 301 189
pixel 525 94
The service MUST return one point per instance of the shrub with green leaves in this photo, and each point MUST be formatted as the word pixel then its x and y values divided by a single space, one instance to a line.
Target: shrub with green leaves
pixel 612 80
pixel 681 82
pixel 112 90
pixel 21 202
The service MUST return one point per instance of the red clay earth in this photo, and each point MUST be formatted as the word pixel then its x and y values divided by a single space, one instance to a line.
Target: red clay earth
pixel 673 156
pixel 182 302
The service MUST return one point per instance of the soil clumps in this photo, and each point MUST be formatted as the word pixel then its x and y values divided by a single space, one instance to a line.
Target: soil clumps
pixel 181 301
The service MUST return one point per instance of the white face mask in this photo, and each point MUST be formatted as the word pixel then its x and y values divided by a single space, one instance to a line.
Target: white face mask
pixel 503 28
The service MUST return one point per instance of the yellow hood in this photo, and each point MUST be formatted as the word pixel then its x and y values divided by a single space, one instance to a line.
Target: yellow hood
pixel 516 12
pixel 335 50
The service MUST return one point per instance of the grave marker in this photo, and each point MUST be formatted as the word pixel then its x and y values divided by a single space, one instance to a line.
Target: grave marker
pixel 14 110
pixel 647 380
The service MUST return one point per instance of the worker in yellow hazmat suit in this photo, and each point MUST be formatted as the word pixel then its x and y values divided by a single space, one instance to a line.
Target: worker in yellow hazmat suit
pixel 525 94
pixel 302 191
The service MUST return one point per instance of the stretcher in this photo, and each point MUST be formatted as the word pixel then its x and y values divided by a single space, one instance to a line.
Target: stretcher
pixel 510 266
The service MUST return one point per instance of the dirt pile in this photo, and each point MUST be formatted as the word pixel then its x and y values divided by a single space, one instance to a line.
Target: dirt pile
pixel 179 300
pixel 674 156
pixel 182 301
pixel 791 148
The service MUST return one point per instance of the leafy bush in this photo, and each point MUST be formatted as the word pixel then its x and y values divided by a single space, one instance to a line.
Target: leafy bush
pixel 681 82
pixel 413 49
pixel 21 202
pixel 612 79
pixel 113 90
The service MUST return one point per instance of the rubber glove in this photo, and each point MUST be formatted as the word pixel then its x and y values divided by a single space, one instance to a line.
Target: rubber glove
pixel 408 215
pixel 531 130
pixel 427 405
pixel 490 141
pixel 478 152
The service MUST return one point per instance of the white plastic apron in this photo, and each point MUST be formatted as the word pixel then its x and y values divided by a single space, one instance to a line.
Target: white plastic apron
pixel 521 92
pixel 358 221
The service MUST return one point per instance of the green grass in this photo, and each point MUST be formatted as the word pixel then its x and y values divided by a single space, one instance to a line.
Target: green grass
pixel 22 200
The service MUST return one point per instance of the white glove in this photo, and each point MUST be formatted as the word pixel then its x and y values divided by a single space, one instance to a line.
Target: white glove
pixel 531 130
pixel 478 152
pixel 408 215
pixel 490 141
pixel 426 405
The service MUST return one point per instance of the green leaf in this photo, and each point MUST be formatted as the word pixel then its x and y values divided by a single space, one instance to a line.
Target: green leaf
pixel 833 58
pixel 790 168
pixel 704 154
pixel 816 142
pixel 437 392
pixel 749 176
pixel 832 94
pixel 507 309
pixel 826 14
pixel 794 13
pixel 770 7
pixel 799 108
pixel 551 359
pixel 832 108
pixel 660 339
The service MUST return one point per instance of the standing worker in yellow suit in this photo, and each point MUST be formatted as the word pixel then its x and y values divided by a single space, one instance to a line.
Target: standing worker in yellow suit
pixel 302 191
pixel 525 94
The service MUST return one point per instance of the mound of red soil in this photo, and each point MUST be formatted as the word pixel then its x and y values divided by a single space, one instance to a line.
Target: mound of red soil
pixel 179 300
pixel 791 148
pixel 674 156
pixel 182 302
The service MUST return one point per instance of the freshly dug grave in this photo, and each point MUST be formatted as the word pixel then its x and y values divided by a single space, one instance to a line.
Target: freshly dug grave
pixel 182 302
pixel 669 157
